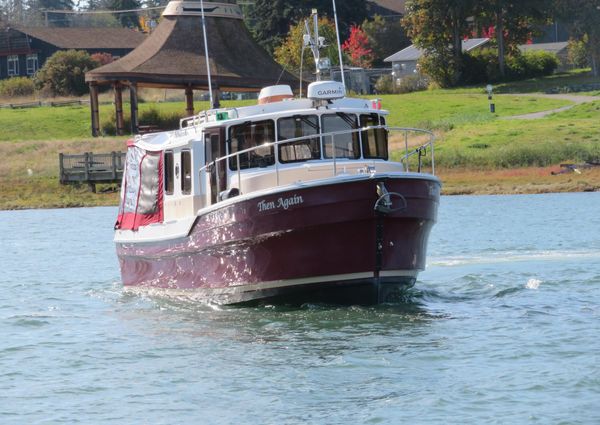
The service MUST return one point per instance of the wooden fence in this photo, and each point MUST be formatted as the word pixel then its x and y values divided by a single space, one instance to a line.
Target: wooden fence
pixel 91 168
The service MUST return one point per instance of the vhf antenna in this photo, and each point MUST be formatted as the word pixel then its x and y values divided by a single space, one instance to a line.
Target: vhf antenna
pixel 313 41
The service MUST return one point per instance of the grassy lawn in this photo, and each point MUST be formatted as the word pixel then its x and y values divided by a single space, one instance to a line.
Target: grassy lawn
pixel 570 136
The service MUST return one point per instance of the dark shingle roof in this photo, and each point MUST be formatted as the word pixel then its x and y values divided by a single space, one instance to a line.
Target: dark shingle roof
pixel 173 56
pixel 86 38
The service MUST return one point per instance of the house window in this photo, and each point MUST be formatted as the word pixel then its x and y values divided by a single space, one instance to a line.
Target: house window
pixel 32 64
pixel 13 65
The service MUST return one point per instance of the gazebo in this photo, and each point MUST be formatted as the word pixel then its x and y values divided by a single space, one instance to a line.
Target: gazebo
pixel 173 57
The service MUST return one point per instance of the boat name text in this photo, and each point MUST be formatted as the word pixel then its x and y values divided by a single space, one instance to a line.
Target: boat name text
pixel 280 203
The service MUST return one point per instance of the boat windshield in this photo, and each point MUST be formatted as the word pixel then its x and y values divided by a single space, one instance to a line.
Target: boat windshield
pixel 346 145
pixel 250 135
pixel 374 141
pixel 295 127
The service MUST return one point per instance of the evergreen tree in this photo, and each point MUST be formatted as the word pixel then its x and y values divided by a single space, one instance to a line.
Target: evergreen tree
pixel 128 20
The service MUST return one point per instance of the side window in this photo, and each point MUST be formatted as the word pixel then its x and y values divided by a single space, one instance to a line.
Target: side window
pixel 252 135
pixel 301 150
pixel 168 172
pixel 374 141
pixel 346 145
pixel 186 172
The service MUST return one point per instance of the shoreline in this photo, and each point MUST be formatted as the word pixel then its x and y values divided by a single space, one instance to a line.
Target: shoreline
pixel 47 193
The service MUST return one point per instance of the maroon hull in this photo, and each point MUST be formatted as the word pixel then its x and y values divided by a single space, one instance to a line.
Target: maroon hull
pixel 313 242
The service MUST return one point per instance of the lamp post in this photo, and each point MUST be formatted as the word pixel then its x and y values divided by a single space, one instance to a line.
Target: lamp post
pixel 489 90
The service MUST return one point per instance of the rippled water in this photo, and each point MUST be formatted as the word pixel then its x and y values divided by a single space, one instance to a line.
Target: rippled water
pixel 503 327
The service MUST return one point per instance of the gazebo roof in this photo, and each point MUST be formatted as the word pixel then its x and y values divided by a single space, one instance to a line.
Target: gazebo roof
pixel 173 55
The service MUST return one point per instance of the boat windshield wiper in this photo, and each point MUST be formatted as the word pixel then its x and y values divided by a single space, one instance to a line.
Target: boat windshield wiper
pixel 307 121
pixel 349 120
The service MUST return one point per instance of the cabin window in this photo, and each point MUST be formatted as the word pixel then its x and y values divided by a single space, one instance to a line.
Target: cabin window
pixel 13 65
pixel 301 150
pixel 374 141
pixel 186 172
pixel 252 135
pixel 169 176
pixel 346 145
pixel 32 64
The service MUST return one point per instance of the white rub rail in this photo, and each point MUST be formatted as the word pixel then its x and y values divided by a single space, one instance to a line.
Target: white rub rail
pixel 420 151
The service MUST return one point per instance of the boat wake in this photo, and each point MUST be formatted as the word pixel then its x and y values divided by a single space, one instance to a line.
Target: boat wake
pixel 514 256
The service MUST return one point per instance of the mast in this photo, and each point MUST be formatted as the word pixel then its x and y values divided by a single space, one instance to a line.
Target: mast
pixel 337 33
pixel 212 102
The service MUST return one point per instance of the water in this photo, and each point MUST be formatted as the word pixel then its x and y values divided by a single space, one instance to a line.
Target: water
pixel 503 327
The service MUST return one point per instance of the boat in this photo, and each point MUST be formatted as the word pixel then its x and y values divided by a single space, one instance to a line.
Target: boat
pixel 291 200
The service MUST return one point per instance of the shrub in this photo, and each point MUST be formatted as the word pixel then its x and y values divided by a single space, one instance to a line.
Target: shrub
pixel 63 74
pixel 412 83
pixel 482 66
pixel 102 58
pixel 531 65
pixel 441 68
pixel 385 84
pixel 17 86
pixel 578 52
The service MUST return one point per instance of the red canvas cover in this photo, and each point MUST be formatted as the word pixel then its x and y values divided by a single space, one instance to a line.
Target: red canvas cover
pixel 141 189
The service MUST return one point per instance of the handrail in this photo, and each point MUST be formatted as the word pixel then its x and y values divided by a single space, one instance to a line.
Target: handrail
pixel 420 150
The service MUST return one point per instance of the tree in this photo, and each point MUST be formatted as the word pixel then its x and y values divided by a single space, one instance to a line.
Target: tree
pixel 35 12
pixel 128 20
pixel 270 20
pixel 288 53
pixel 63 74
pixel 513 23
pixel 386 37
pixel 438 27
pixel 584 15
pixel 357 48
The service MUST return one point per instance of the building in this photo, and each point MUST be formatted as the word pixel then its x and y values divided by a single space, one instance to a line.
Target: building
pixel 23 50
pixel 404 62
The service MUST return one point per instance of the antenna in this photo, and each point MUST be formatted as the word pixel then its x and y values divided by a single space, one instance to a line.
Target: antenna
pixel 337 33
pixel 313 41
pixel 212 103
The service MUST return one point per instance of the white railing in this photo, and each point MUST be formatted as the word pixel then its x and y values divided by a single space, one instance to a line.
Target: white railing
pixel 409 151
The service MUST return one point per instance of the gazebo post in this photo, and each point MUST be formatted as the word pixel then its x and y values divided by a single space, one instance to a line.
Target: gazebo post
pixel 216 94
pixel 94 109
pixel 189 100
pixel 133 99
pixel 119 107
